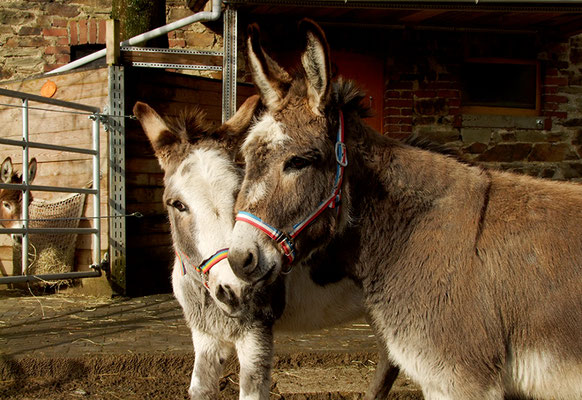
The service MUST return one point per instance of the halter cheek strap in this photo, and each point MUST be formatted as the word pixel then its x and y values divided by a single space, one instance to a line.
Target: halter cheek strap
pixel 284 239
pixel 205 266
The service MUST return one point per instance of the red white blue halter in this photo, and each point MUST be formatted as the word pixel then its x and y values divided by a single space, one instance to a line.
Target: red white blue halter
pixel 285 239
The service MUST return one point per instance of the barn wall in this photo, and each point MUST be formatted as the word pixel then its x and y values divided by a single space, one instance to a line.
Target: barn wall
pixel 149 251
pixel 56 168
pixel 423 96
pixel 38 35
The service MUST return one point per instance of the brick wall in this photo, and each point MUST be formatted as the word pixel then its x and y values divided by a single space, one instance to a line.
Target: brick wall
pixel 36 36
pixel 423 97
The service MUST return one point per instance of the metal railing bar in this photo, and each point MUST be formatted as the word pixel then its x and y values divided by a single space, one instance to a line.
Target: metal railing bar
pixel 58 231
pixel 39 188
pixel 50 277
pixel 45 100
pixel 47 146
pixel 173 51
pixel 177 66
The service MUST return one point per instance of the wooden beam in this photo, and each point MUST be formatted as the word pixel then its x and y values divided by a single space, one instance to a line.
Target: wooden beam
pixel 112 40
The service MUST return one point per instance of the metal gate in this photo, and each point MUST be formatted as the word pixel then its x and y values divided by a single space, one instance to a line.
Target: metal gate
pixel 93 114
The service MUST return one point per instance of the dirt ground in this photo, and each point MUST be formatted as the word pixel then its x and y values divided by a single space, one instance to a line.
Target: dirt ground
pixel 164 378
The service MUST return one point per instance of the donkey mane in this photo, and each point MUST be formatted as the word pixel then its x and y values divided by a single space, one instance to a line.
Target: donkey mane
pixel 190 125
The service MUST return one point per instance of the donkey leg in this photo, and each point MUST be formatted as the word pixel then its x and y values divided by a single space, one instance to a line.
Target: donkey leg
pixel 384 377
pixel 210 354
pixel 255 355
pixel 386 372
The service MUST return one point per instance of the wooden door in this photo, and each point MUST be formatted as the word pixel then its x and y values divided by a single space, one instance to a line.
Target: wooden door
pixel 368 72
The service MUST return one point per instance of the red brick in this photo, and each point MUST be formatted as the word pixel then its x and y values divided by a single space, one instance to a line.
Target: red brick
pixel 59 23
pixel 559 81
pixel 550 89
pixel 56 50
pixel 391 128
pixel 63 58
pixel 406 111
pixel 392 111
pixel 448 94
pixel 54 32
pixel 398 120
pixel 92 31
pixel 556 114
pixel 83 31
pixel 102 31
pixel 398 103
pixel 74 33
pixel 555 99
pixel 63 41
pixel 454 111
pixel 552 72
pixel 425 93
pixel 392 94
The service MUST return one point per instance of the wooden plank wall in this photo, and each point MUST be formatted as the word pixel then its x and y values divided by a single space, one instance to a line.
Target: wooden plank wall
pixel 57 168
pixel 149 253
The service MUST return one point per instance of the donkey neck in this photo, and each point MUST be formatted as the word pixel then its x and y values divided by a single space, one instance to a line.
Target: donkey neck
pixel 395 188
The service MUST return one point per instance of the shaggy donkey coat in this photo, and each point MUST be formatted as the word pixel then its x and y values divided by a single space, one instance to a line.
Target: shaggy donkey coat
pixel 473 277
pixel 201 182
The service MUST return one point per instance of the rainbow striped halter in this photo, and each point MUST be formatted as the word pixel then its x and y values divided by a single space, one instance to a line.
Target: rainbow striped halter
pixel 285 240
pixel 205 266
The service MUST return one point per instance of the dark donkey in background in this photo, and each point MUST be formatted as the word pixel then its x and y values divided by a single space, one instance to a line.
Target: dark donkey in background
pixel 473 277
pixel 201 182
pixel 11 199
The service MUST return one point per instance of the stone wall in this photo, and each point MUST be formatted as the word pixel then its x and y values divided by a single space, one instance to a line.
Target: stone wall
pixel 36 36
pixel 423 97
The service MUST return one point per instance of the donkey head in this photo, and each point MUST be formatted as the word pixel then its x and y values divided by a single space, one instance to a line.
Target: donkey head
pixel 201 183
pixel 11 199
pixel 290 160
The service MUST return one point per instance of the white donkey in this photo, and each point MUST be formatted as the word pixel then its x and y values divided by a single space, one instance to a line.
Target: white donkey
pixel 201 183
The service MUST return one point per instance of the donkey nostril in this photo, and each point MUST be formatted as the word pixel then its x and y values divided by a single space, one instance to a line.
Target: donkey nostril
pixel 243 263
pixel 226 295
pixel 249 264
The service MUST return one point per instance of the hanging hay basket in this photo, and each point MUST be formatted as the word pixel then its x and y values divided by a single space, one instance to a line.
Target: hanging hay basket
pixel 52 253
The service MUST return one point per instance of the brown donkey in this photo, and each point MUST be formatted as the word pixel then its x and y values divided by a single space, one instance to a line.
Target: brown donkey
pixel 11 199
pixel 472 277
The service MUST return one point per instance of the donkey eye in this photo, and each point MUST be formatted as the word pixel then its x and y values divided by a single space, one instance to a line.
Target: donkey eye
pixel 178 205
pixel 7 205
pixel 297 163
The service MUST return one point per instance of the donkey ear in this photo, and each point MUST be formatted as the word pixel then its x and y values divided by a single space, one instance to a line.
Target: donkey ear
pixel 6 173
pixel 317 65
pixel 156 130
pixel 32 165
pixel 271 80
pixel 239 123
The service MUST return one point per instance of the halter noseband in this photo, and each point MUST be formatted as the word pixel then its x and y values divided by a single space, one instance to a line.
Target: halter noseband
pixel 205 266
pixel 285 239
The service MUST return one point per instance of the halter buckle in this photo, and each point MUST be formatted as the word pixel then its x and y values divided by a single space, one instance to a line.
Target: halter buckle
pixel 340 154
pixel 286 243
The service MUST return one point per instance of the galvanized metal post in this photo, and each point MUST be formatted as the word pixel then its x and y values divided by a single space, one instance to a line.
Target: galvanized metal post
pixel 25 191
pixel 97 195
pixel 229 63
pixel 117 231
